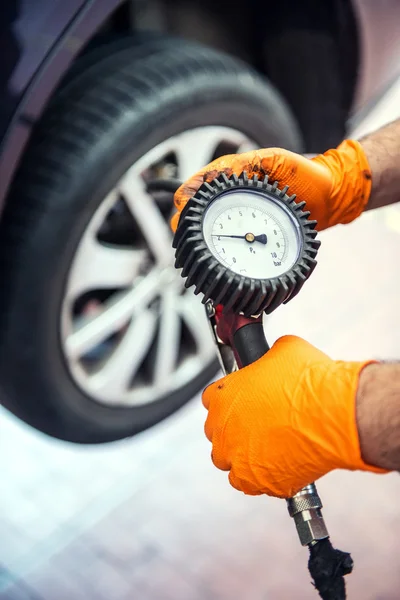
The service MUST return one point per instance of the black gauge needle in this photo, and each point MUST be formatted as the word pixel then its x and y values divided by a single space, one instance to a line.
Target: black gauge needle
pixel 249 237
pixel 262 238
pixel 241 237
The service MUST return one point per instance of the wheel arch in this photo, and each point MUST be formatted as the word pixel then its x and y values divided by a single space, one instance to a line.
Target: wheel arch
pixel 270 43
pixel 90 19
pixel 328 38
pixel 125 15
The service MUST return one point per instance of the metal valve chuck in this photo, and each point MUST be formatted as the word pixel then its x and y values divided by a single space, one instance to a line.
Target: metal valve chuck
pixel 305 508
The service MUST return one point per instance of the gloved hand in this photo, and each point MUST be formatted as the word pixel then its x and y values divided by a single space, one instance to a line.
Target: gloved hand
pixel 286 420
pixel 335 185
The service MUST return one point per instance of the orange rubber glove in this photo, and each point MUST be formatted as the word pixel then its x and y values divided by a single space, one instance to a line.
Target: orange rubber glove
pixel 286 420
pixel 335 185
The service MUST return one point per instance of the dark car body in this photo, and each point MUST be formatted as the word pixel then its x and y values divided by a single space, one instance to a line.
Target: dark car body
pixel 41 39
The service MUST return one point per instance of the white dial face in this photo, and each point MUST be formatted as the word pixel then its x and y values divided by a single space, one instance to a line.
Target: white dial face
pixel 251 234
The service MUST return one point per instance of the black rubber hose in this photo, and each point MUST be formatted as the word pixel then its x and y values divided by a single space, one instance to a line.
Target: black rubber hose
pixel 327 566
pixel 250 343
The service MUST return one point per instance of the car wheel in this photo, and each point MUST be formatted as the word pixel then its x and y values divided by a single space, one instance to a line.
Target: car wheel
pixel 99 339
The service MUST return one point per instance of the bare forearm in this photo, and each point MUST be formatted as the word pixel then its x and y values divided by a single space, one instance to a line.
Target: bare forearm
pixel 382 149
pixel 378 415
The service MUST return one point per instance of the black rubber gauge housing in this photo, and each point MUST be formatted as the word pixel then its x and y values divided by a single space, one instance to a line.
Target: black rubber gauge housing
pixel 216 281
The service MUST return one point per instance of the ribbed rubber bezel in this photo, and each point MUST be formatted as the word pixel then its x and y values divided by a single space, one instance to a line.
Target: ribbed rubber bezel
pixel 218 283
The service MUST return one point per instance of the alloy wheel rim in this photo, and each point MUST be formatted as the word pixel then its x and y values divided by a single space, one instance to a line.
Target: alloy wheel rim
pixel 130 332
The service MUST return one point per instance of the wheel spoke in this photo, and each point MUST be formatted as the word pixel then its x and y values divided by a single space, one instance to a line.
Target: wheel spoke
pixel 147 215
pixel 247 146
pixel 114 378
pixel 99 266
pixel 195 149
pixel 117 313
pixel 193 313
pixel 102 211
pixel 168 338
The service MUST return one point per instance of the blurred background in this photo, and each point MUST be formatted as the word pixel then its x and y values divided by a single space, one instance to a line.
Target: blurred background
pixel 99 341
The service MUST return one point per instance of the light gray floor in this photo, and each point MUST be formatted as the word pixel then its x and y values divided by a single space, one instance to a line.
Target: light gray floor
pixel 151 519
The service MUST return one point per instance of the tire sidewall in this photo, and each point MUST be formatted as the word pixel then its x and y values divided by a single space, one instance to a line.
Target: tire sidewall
pixel 33 343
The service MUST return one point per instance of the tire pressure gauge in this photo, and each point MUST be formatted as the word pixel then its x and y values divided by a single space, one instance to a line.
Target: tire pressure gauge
pixel 248 247
pixel 245 244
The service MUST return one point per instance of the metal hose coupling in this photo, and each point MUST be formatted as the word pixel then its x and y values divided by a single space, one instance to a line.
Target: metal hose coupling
pixel 305 508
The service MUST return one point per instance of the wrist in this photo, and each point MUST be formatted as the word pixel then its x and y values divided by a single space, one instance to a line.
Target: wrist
pixel 377 415
pixel 382 151
pixel 338 393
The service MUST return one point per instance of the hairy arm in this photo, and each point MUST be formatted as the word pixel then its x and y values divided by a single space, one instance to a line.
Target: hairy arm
pixel 378 415
pixel 382 149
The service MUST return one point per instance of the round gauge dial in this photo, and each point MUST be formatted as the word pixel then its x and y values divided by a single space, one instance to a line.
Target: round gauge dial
pixel 252 234
pixel 245 244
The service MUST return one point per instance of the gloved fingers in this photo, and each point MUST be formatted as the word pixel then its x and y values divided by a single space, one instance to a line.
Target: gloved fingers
pixel 242 485
pixel 336 186
pixel 208 394
pixel 270 161
pixel 217 400
pixel 216 424
pixel 208 173
pixel 217 388
pixel 209 428
pixel 269 486
pixel 220 453
pixel 174 221
pixel 220 461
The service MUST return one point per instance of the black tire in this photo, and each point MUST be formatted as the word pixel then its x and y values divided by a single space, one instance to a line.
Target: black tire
pixel 133 99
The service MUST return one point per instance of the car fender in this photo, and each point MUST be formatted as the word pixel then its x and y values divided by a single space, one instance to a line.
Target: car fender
pixel 35 97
